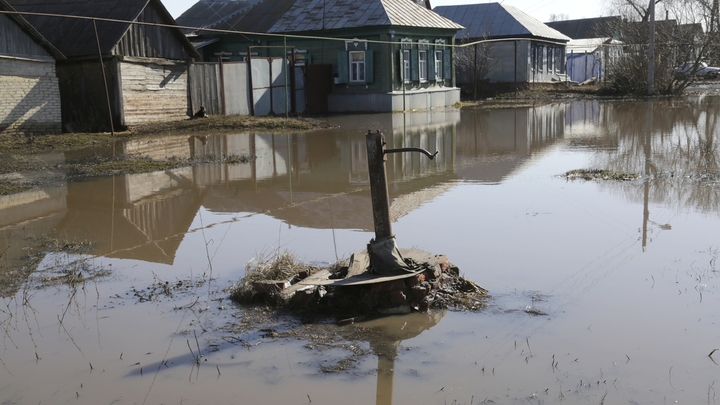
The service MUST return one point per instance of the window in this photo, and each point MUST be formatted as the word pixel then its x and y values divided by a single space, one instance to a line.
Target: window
pixel 406 65
pixel 533 57
pixel 357 67
pixel 558 59
pixel 438 65
pixel 548 60
pixel 422 65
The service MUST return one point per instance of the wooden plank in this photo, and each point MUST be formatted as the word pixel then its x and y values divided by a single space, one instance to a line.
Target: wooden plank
pixel 358 273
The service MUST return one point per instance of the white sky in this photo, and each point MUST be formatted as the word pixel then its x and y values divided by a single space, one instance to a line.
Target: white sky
pixel 540 9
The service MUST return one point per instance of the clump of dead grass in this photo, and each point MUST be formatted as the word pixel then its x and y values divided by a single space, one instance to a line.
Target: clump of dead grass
pixel 599 174
pixel 7 188
pixel 282 266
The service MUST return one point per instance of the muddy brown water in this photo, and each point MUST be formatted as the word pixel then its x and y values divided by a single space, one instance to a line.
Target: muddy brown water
pixel 603 291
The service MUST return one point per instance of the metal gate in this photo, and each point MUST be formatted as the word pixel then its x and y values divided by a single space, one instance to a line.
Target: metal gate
pixel 270 86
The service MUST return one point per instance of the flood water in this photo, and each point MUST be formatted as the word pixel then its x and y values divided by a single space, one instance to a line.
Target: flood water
pixel 602 291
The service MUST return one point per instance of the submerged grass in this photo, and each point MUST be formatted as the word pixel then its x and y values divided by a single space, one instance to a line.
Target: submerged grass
pixel 598 174
pixel 68 264
pixel 7 188
pixel 226 123
pixel 16 151
pixel 131 164
pixel 52 142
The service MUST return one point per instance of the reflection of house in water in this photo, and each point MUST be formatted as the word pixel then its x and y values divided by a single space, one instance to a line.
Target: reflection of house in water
pixel 33 213
pixel 431 130
pixel 492 144
pixel 139 216
pixel 585 126
pixel 319 179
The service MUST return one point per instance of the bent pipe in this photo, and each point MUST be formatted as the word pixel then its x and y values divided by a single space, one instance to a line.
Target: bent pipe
pixel 421 150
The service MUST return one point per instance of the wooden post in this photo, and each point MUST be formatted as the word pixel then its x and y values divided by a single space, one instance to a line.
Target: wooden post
pixel 222 83
pixel 378 184
pixel 102 67
pixel 475 74
pixel 651 50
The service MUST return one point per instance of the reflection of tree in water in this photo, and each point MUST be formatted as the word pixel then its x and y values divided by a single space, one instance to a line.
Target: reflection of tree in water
pixel 672 144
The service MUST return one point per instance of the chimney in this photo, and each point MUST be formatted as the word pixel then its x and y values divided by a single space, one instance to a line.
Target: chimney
pixel 427 4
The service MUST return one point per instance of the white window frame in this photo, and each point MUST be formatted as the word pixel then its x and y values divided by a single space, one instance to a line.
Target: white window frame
pixel 357 67
pixel 439 65
pixel 422 65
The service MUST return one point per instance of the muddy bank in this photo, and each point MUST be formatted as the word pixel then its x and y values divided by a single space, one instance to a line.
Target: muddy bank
pixel 20 154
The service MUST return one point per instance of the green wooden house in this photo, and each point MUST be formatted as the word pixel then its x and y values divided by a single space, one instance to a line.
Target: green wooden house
pixel 357 56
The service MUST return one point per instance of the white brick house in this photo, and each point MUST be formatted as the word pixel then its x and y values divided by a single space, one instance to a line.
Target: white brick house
pixel 30 99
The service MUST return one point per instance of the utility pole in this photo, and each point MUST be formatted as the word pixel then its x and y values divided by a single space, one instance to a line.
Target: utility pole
pixel 651 49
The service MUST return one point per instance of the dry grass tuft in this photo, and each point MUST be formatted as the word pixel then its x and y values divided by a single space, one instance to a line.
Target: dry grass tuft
pixel 598 174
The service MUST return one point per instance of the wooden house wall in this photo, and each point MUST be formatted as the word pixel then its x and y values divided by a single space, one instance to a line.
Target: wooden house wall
pixel 84 104
pixel 150 41
pixel 15 42
pixel 204 88
pixel 385 67
pixel 509 62
pixel 426 35
pixel 153 92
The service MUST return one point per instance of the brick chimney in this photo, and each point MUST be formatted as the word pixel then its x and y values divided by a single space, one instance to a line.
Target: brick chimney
pixel 425 3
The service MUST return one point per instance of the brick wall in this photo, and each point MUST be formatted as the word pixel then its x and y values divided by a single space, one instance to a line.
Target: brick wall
pixel 30 98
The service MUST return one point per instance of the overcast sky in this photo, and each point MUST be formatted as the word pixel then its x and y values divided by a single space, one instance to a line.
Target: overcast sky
pixel 540 9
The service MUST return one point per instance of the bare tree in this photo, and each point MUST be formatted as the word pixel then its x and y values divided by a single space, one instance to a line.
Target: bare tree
pixel 559 17
pixel 680 38
pixel 473 63
pixel 640 9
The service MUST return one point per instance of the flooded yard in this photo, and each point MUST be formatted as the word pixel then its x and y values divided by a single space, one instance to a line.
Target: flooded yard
pixel 114 289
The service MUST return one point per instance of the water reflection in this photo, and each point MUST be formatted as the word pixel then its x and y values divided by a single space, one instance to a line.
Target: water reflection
pixel 493 144
pixel 387 335
pixel 318 179
pixel 672 144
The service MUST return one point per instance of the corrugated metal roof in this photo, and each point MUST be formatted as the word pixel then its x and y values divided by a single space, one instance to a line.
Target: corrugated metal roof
pixel 76 37
pixel 31 31
pixel 278 16
pixel 585 45
pixel 209 14
pixel 586 28
pixel 495 20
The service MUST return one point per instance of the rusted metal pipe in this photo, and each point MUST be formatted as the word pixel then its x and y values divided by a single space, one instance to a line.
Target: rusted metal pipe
pixel 378 184
pixel 378 180
pixel 421 150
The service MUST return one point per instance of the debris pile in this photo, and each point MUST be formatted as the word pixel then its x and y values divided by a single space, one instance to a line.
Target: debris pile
pixel 353 289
